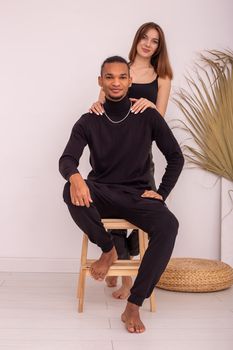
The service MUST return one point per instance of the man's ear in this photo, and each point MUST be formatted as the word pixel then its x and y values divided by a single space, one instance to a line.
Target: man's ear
pixel 100 81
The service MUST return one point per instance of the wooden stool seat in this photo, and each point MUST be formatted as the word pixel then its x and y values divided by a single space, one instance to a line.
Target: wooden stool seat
pixel 120 267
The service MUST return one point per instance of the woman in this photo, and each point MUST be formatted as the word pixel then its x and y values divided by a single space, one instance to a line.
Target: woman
pixel 151 74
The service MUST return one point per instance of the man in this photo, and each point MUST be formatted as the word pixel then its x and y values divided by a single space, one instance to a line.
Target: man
pixel 118 185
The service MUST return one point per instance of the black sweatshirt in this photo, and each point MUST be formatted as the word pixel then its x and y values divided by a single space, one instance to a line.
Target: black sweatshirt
pixel 120 153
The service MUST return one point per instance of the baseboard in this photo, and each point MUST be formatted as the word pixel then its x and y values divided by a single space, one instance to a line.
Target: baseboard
pixel 39 265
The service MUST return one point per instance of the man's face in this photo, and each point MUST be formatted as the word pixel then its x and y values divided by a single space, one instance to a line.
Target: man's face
pixel 115 80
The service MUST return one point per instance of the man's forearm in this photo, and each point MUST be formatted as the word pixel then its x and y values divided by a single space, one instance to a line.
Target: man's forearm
pixel 171 175
pixel 67 167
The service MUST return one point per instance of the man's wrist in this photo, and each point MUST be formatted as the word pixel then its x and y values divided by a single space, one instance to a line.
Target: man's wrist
pixel 75 177
pixel 163 197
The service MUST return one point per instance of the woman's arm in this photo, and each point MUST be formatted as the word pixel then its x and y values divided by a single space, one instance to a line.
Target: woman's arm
pixel 97 107
pixel 164 88
pixel 101 97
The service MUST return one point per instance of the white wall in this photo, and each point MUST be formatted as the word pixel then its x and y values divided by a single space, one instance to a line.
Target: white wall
pixel 50 55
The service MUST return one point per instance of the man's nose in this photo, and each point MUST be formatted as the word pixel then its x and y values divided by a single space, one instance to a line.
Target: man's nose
pixel 116 82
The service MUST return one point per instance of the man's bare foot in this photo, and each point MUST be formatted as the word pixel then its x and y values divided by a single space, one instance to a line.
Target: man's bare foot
pixel 99 268
pixel 132 320
pixel 124 291
pixel 111 281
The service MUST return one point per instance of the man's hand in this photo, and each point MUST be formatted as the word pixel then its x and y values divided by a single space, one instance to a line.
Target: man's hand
pixel 79 191
pixel 151 194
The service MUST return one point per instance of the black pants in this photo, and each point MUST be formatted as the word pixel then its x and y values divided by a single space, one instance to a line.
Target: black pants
pixel 126 246
pixel 150 215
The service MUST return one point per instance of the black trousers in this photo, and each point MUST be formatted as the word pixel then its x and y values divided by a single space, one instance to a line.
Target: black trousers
pixel 150 215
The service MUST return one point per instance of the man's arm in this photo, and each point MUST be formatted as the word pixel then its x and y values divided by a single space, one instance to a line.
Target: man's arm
pixel 68 165
pixel 170 148
pixel 69 161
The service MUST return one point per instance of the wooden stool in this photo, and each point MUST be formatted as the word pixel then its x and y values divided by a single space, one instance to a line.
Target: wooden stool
pixel 120 267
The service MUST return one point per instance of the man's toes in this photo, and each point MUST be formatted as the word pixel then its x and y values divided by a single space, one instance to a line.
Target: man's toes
pixel 141 328
pixel 130 329
pixel 102 276
pixel 121 293
pixel 99 276
pixel 115 295
pixel 93 274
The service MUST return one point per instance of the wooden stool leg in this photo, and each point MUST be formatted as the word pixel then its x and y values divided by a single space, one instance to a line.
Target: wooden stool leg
pixel 81 280
pixel 141 243
pixel 152 302
pixel 145 240
pixel 81 290
pixel 82 274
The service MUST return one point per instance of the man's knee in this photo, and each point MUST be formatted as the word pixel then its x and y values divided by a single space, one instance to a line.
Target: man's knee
pixel 172 223
pixel 66 193
pixel 167 224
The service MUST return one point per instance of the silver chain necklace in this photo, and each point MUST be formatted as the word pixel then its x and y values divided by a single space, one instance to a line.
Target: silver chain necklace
pixel 119 121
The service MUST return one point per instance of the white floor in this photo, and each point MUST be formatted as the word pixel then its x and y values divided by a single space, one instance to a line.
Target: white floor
pixel 38 312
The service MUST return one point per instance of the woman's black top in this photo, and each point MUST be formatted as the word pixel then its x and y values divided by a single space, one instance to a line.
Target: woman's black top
pixel 146 90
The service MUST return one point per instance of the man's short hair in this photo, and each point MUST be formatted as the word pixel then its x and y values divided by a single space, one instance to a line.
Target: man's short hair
pixel 113 59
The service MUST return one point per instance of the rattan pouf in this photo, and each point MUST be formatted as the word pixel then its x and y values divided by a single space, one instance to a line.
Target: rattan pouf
pixel 196 275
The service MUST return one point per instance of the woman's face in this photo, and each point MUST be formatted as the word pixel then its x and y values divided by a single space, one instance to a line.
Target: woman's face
pixel 148 44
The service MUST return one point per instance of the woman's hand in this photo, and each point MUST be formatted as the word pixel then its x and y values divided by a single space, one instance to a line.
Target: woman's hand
pixel 141 105
pixel 97 108
pixel 152 194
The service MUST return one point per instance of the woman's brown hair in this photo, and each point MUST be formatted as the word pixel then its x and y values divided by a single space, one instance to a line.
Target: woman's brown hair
pixel 159 60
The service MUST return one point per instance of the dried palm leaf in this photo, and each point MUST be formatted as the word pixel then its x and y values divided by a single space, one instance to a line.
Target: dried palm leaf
pixel 208 111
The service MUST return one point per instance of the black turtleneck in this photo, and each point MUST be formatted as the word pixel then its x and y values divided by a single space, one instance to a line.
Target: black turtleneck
pixel 117 110
pixel 120 152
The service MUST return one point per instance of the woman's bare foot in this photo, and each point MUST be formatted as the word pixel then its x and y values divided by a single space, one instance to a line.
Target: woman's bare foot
pixel 111 281
pixel 124 291
pixel 99 268
pixel 132 320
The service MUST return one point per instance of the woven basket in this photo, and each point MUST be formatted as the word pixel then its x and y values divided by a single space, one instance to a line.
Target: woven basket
pixel 196 275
